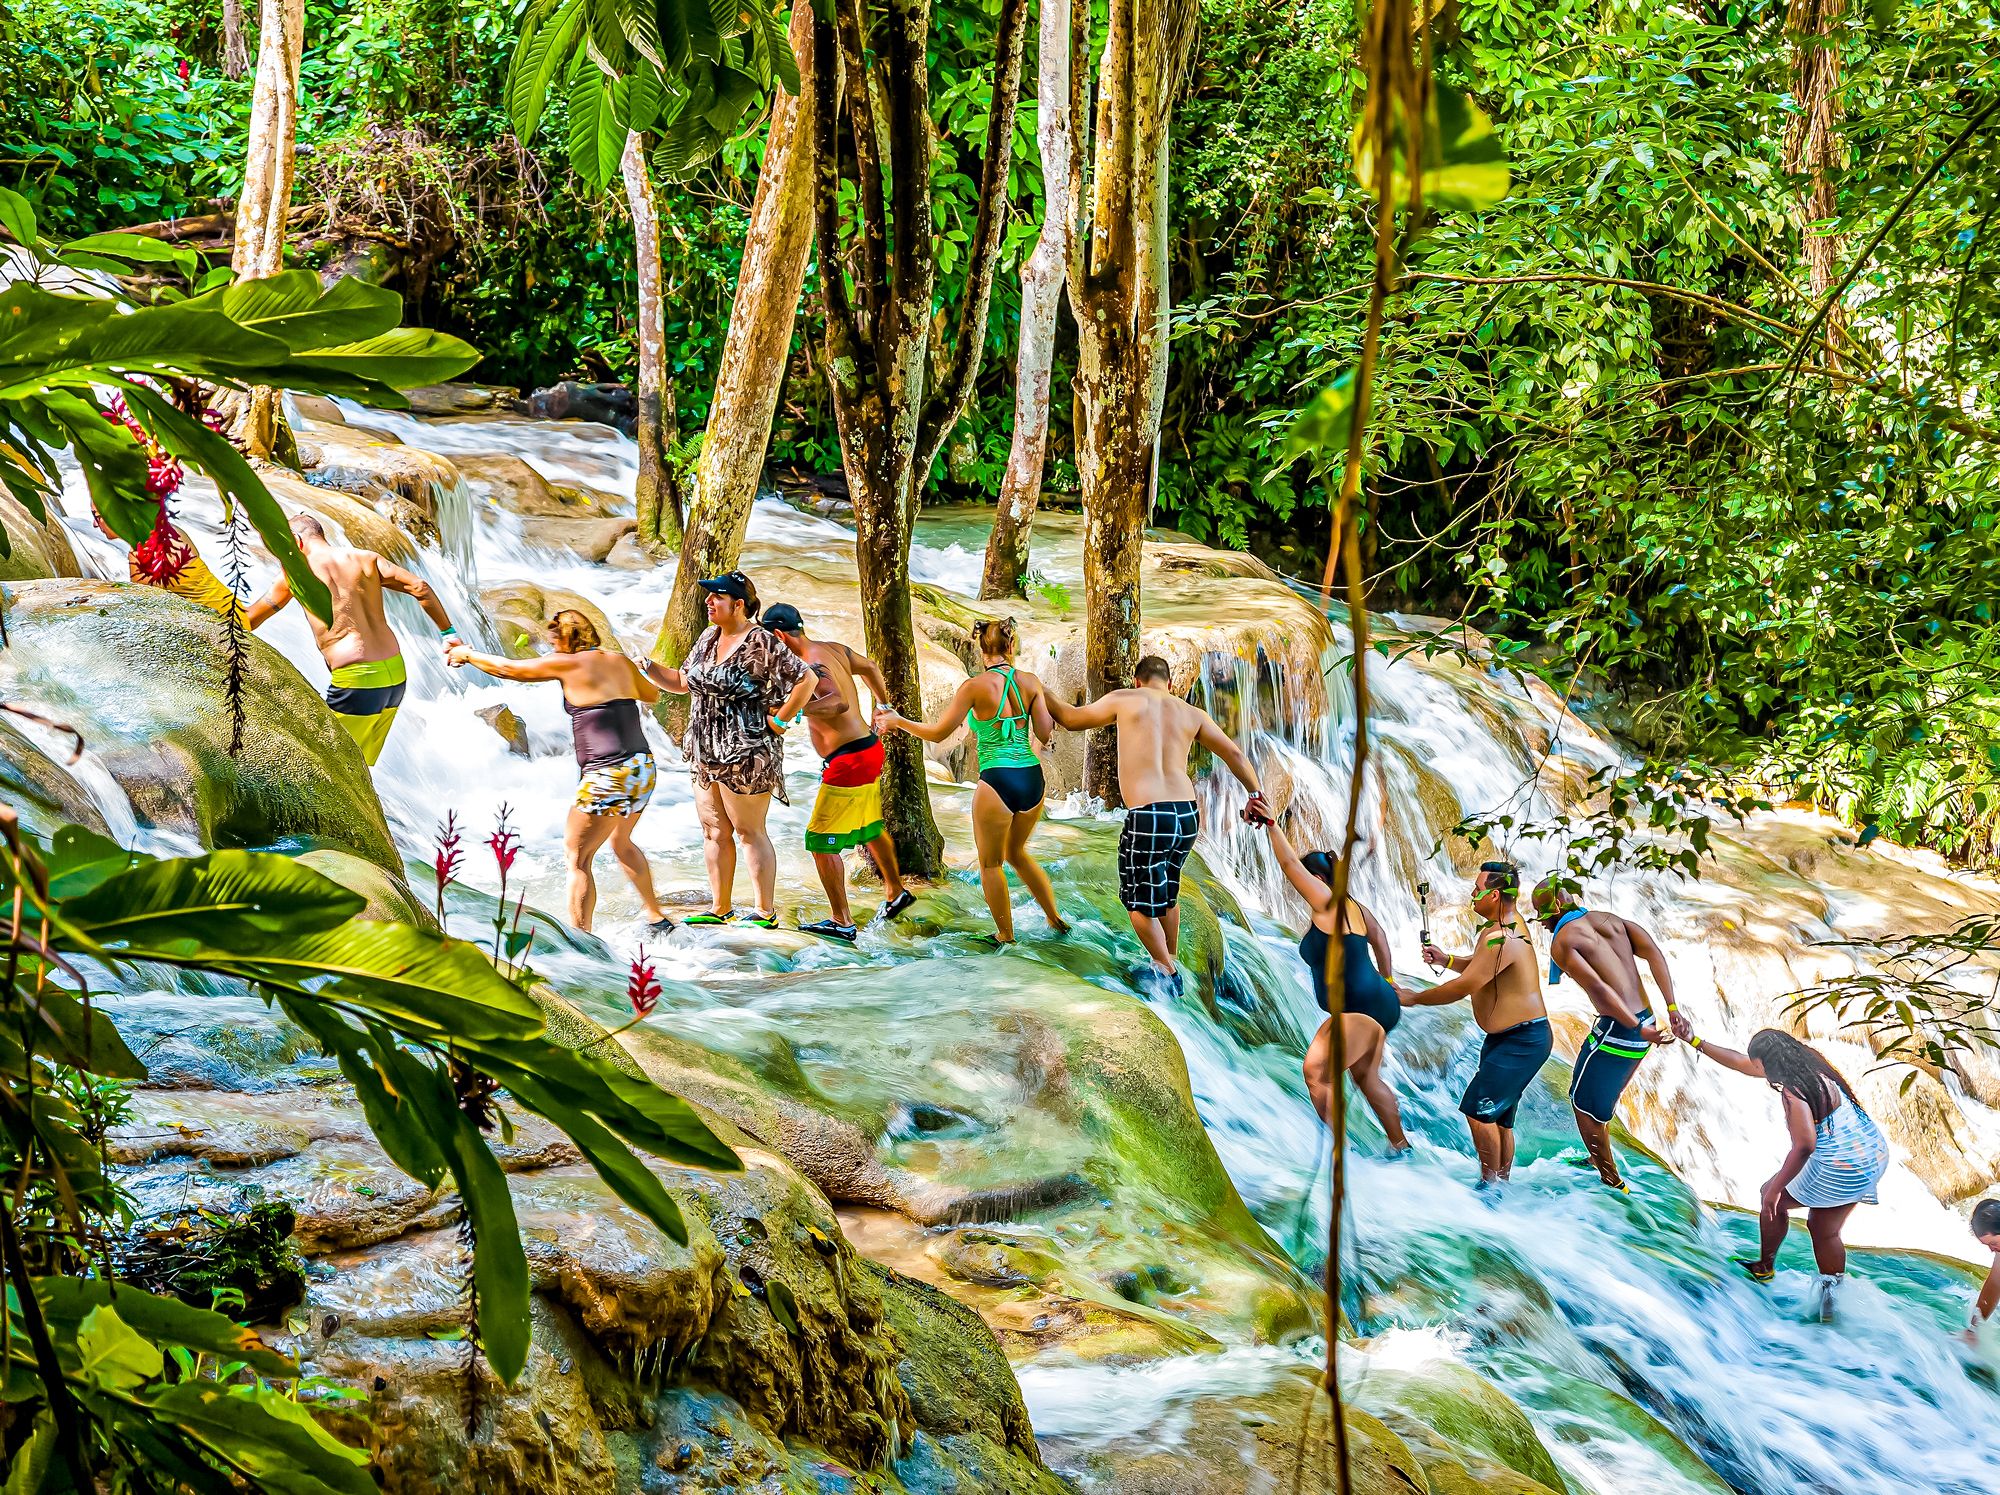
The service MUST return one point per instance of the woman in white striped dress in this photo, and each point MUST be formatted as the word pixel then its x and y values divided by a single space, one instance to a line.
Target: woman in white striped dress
pixel 1838 1154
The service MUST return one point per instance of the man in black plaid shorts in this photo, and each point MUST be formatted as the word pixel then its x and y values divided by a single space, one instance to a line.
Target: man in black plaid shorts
pixel 1156 730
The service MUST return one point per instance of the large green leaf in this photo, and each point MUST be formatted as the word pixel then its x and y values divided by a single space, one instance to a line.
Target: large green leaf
pixel 1464 165
pixel 294 306
pixel 192 441
pixel 65 1301
pixel 499 1265
pixel 283 1451
pixel 1321 430
pixel 237 902
pixel 111 1355
pixel 593 125
pixel 543 51
pixel 401 359
pixel 399 972
pixel 82 1037
pixel 116 250
pixel 114 467
pixel 17 216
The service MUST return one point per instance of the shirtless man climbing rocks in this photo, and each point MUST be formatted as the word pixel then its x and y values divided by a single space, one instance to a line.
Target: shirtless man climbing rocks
pixel 848 810
pixel 1156 730
pixel 1499 976
pixel 1602 952
pixel 358 645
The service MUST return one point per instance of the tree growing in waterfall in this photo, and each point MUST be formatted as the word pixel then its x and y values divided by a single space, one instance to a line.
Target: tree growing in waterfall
pixel 1118 291
pixel 766 304
pixel 1042 278
pixel 263 210
pixel 650 91
pixel 884 334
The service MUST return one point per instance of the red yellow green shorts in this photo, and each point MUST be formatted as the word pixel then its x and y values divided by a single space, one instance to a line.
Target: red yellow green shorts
pixel 620 788
pixel 848 810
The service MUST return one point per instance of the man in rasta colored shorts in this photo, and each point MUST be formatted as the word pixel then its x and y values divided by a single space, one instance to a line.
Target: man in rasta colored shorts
pixel 358 644
pixel 848 810
pixel 1602 952
pixel 1499 976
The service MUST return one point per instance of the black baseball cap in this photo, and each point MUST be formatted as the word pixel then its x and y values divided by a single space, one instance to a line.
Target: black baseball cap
pixel 782 617
pixel 729 584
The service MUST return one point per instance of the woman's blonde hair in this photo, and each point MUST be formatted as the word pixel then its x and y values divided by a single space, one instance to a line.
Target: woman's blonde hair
pixel 573 632
pixel 997 638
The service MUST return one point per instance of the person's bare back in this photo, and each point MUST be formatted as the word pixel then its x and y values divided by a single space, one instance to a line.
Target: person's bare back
pixel 1600 944
pixel 359 629
pixel 1156 732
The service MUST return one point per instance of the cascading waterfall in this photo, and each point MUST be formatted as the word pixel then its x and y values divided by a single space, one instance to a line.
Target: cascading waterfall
pixel 1614 1321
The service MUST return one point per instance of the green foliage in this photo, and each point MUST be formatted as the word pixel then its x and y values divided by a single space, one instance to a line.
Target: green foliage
pixel 681 73
pixel 435 1041
pixel 60 349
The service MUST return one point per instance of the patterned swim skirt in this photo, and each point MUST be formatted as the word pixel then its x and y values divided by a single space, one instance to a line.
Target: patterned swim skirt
pixel 620 788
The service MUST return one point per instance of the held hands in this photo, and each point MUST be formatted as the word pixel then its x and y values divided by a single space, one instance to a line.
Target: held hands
pixel 1404 995
pixel 886 720
pixel 456 654
pixel 1679 1022
pixel 1257 810
pixel 1652 1034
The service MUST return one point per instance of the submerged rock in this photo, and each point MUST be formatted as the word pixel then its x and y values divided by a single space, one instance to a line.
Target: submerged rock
pixel 34 548
pixel 143 675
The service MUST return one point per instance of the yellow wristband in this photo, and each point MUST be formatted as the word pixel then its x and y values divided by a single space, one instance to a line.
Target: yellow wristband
pixel 1695 1042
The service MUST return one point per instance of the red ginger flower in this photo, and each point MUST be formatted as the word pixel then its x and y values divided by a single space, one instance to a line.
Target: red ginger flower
pixel 642 986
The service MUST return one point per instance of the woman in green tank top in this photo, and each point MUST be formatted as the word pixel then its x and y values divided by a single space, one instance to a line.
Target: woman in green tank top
pixel 1006 709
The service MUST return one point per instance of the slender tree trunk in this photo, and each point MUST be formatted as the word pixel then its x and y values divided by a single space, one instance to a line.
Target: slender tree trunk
pixel 882 334
pixel 775 251
pixel 1812 139
pixel 1041 301
pixel 265 206
pixel 235 50
pixel 1119 296
pixel 658 494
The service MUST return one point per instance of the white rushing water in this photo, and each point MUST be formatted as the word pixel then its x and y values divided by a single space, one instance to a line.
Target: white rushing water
pixel 1605 1316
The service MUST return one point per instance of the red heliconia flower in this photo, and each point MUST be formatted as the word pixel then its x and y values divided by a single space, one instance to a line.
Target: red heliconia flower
pixel 163 554
pixel 504 843
pixel 642 986
pixel 450 851
pixel 183 69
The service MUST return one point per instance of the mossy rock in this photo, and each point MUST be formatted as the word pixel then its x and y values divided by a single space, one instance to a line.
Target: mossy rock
pixel 34 549
pixel 143 674
pixel 44 793
pixel 389 897
pixel 1464 1411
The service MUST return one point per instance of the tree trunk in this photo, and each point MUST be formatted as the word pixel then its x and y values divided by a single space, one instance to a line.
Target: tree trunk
pixel 235 50
pixel 754 352
pixel 1117 289
pixel 1041 300
pixel 658 493
pixel 882 334
pixel 262 211
pixel 1812 139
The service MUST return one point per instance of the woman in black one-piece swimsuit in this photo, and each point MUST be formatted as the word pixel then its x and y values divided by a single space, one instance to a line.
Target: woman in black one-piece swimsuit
pixel 1369 1009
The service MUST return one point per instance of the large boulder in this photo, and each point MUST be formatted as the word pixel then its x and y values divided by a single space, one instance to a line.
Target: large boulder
pixel 609 404
pixel 143 675
pixel 755 1355
pixel 517 486
pixel 521 610
pixel 34 548
pixel 348 517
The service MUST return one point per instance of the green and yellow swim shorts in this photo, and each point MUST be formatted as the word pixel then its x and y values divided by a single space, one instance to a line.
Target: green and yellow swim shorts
pixel 365 696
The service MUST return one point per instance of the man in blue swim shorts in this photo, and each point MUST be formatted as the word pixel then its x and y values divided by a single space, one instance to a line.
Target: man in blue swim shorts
pixel 1499 977
pixel 1601 953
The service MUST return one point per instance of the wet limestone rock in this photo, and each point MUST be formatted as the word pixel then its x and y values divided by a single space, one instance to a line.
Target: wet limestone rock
pixel 512 730
pixel 462 399
pixel 41 789
pixel 35 549
pixel 358 523
pixel 517 486
pixel 521 611
pixel 388 895
pixel 142 675
pixel 589 539
pixel 1459 1407
pixel 370 464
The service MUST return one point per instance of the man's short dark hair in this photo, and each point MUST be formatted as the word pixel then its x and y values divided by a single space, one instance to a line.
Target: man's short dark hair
pixel 1152 667
pixel 1986 1218
pixel 1506 877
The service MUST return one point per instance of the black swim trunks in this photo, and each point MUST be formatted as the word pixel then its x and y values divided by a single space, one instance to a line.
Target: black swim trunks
pixel 1605 1066
pixel 1508 1063
pixel 1152 849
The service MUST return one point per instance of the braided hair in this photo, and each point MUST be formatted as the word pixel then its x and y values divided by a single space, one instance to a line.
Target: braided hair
pixel 1794 1069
